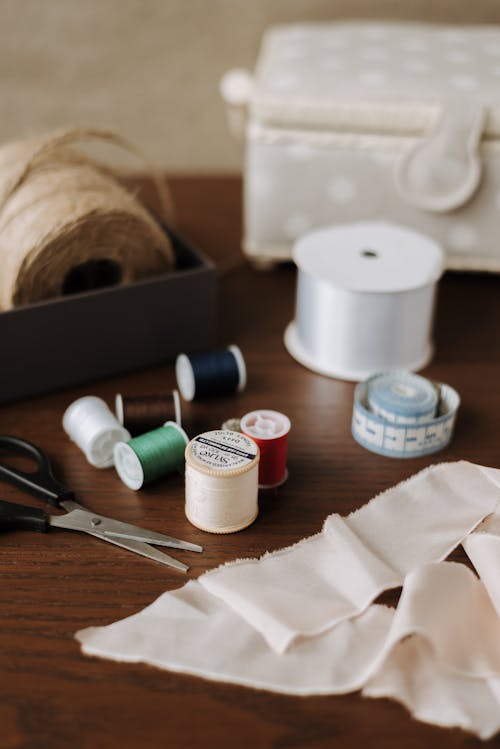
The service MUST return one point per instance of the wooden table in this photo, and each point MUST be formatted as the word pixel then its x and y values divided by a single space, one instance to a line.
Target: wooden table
pixel 52 696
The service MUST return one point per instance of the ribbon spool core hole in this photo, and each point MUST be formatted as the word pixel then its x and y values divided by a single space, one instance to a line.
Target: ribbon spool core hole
pixel 93 274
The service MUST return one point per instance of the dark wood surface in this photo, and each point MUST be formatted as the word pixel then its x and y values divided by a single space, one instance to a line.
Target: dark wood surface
pixel 51 696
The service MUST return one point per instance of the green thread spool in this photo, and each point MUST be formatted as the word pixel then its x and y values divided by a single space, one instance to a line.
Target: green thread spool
pixel 151 455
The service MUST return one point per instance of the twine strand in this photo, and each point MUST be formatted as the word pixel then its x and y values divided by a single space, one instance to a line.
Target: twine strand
pixel 61 212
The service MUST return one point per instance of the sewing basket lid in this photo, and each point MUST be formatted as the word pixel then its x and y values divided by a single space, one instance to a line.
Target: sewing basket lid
pixel 436 85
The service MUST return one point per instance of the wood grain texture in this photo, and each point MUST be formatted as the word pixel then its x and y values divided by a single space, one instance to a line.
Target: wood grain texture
pixel 54 584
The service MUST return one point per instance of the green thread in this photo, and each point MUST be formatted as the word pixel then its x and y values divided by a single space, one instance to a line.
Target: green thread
pixel 159 452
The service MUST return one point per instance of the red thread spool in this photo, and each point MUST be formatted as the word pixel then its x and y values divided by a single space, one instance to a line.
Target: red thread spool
pixel 269 429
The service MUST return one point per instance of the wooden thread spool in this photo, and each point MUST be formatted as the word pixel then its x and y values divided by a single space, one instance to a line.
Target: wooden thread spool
pixel 222 481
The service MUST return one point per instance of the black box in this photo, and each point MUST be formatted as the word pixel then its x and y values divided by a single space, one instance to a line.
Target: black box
pixel 72 339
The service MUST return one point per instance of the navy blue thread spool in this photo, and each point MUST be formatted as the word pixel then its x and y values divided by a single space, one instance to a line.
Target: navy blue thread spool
pixel 210 373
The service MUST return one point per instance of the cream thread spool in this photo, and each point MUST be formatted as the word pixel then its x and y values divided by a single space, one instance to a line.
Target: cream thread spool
pixel 94 428
pixel 222 481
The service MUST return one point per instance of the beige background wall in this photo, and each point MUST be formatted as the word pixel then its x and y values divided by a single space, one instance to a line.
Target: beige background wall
pixel 150 68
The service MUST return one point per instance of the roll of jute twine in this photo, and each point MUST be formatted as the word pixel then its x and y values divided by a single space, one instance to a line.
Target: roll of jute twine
pixel 67 224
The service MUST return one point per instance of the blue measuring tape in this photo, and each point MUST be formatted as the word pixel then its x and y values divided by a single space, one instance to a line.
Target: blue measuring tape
pixel 403 415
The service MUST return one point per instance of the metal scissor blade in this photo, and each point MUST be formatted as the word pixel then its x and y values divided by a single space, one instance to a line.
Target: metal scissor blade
pixel 83 520
pixel 145 550
pixel 76 520
pixel 158 539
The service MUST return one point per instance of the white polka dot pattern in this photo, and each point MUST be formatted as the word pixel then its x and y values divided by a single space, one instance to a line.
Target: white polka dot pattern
pixel 341 190
pixel 345 103
pixel 376 54
pixel 260 184
pixel 464 81
pixel 462 237
pixel 296 224
pixel 300 151
pixel 373 78
pixel 417 66
pixel 329 60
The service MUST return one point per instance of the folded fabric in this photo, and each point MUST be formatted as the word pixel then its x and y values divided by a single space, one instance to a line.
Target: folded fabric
pixel 438 652
pixel 436 674
pixel 412 676
pixel 483 549
pixel 194 632
pixel 309 587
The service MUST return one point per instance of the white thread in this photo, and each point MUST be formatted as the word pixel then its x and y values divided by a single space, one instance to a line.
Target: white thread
pixel 94 428
pixel 233 425
pixel 222 481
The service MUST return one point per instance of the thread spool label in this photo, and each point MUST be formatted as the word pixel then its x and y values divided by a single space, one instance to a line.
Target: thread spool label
pixel 223 450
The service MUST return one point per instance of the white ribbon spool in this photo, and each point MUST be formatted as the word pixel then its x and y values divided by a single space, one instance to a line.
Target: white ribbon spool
pixel 365 299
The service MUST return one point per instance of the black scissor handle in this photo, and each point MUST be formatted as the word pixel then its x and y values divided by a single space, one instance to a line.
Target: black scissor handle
pixel 41 481
pixel 22 517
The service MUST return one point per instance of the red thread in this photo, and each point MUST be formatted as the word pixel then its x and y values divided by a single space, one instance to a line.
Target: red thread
pixel 273 449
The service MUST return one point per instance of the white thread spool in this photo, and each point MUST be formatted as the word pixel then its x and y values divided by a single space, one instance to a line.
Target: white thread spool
pixel 222 481
pixel 365 299
pixel 94 428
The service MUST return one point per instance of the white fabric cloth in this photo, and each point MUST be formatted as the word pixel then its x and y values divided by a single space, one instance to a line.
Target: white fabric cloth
pixel 299 621
pixel 311 586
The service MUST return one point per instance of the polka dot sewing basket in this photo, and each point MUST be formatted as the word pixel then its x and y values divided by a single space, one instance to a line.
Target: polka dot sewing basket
pixel 358 121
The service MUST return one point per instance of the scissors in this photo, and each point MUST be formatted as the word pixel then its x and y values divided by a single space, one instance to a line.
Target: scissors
pixel 41 483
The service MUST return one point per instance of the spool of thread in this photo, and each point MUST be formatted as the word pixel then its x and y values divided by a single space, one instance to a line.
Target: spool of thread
pixel 94 428
pixel 222 481
pixel 152 455
pixel 365 299
pixel 66 225
pixel 403 415
pixel 233 425
pixel 143 413
pixel 211 373
pixel 269 429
